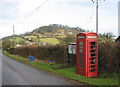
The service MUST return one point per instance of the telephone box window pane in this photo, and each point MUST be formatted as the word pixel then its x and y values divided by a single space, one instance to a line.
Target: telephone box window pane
pixel 81 46
pixel 92 51
pixel 92 47
pixel 81 67
pixel 81 58
pixel 92 55
pixel 81 62
pixel 92 59
pixel 81 43
pixel 92 66
pixel 81 54
pixel 81 50
pixel 92 43
pixel 92 70
pixel 92 62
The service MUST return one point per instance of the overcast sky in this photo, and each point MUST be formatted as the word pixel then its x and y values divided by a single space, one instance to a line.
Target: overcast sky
pixel 74 13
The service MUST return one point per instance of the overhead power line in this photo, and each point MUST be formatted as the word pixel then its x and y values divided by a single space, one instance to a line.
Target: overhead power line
pixel 32 12
pixel 26 18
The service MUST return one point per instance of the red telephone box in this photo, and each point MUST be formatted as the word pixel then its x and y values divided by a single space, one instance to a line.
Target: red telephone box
pixel 87 54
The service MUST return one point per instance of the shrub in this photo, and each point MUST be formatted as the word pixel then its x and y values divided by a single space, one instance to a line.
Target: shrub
pixel 53 53
pixel 108 55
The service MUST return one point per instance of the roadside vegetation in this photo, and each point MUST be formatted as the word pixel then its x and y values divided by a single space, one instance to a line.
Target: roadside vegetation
pixel 69 72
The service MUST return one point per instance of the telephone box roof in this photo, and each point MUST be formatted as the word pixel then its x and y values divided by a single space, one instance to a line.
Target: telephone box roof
pixel 86 33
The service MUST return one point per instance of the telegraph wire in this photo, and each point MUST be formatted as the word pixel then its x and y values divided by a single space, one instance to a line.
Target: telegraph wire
pixel 31 12
pixel 25 18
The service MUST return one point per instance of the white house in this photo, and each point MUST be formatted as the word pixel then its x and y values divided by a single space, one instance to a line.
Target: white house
pixel 18 45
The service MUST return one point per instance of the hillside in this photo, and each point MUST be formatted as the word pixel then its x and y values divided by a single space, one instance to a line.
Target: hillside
pixel 9 37
pixel 55 28
pixel 51 34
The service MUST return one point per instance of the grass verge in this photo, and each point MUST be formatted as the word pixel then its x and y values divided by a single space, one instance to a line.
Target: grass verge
pixel 69 73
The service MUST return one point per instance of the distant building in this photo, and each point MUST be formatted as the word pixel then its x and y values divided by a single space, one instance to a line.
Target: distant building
pixel 70 33
pixel 62 32
pixel 44 43
pixel 31 43
pixel 18 45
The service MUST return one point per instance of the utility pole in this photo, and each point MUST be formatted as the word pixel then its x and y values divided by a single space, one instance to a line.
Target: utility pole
pixel 96 14
pixel 1 43
pixel 38 40
pixel 13 36
pixel 24 19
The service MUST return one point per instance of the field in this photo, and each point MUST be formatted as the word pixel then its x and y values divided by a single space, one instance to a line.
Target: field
pixel 17 39
pixel 34 37
pixel 43 38
pixel 50 40
pixel 47 38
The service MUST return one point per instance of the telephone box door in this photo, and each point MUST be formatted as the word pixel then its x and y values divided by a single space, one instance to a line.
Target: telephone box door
pixel 81 60
pixel 92 58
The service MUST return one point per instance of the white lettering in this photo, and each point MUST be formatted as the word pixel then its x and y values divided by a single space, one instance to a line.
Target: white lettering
pixel 91 36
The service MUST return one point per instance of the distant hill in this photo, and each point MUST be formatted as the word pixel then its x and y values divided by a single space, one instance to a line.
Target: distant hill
pixel 9 37
pixel 51 34
pixel 55 28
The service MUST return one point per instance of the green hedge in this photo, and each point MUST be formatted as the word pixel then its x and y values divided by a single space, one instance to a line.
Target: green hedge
pixel 109 54
pixel 58 54
pixel 108 57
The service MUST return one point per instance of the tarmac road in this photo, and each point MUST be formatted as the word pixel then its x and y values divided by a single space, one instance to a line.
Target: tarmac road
pixel 0 68
pixel 16 73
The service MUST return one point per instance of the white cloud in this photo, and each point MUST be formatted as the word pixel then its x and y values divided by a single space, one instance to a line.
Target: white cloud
pixel 74 13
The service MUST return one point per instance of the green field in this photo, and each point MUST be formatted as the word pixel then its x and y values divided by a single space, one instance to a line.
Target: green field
pixel 50 40
pixel 17 39
pixel 69 73
pixel 62 36
pixel 34 37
